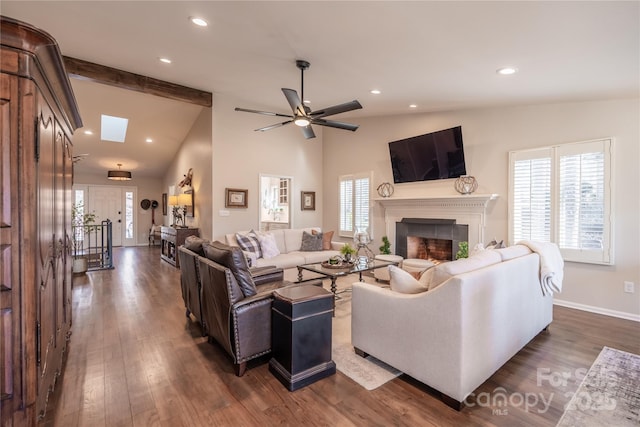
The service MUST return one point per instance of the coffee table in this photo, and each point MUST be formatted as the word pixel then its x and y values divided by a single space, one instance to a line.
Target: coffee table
pixel 332 272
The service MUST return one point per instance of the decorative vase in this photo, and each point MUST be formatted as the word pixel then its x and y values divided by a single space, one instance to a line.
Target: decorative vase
pixel 466 184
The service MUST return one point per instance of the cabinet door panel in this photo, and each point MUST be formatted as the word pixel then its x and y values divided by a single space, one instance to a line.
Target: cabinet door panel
pixel 46 224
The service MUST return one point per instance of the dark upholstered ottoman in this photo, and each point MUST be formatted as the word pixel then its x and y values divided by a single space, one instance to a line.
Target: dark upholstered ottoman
pixel 301 335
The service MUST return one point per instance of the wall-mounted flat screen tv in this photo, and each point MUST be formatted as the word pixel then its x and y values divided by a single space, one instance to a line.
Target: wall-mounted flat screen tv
pixel 435 155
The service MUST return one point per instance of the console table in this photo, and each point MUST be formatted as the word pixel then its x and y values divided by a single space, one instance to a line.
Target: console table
pixel 171 238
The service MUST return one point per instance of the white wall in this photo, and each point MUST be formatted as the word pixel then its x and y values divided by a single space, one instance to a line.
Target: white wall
pixel 489 134
pixel 195 153
pixel 240 154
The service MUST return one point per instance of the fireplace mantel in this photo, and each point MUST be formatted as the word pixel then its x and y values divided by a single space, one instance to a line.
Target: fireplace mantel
pixel 457 201
pixel 468 209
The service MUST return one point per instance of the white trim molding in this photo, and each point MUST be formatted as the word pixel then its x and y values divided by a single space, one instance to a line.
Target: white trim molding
pixel 597 310
pixel 469 209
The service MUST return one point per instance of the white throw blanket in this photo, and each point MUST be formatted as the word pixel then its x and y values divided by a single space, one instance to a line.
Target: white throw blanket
pixel 551 265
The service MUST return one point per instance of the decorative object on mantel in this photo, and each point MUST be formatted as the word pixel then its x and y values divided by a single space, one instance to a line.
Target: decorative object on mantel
pixel 385 189
pixel 466 184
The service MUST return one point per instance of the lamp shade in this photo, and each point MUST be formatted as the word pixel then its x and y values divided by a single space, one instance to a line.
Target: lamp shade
pixel 119 175
pixel 184 199
pixel 173 201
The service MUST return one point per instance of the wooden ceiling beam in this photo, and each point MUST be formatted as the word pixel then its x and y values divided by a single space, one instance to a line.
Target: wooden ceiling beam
pixel 84 70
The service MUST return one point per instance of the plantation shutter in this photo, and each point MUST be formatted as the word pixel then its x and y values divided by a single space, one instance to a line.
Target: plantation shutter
pixel 582 203
pixel 562 194
pixel 354 203
pixel 531 196
pixel 346 205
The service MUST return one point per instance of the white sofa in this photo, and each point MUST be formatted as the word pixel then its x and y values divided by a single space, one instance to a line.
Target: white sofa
pixel 455 337
pixel 288 242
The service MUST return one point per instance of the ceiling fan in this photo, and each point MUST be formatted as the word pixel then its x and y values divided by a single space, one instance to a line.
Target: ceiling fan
pixel 303 116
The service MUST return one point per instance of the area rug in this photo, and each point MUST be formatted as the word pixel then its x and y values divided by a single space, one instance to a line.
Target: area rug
pixel 369 372
pixel 609 394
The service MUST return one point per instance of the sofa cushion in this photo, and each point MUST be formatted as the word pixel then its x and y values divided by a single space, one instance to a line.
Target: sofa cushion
pixel 403 282
pixel 446 270
pixel 311 242
pixel 249 242
pixel 326 239
pixel 232 258
pixel 194 244
pixel 268 245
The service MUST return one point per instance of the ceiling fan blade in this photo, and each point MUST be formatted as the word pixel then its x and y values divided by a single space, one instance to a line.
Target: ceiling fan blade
pixel 277 125
pixel 336 109
pixel 294 101
pixel 266 113
pixel 335 124
pixel 308 133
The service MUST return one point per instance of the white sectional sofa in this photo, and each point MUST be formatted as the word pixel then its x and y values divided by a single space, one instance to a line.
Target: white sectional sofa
pixel 289 242
pixel 454 336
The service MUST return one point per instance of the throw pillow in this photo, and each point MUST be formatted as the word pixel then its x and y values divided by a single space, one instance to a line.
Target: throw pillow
pixel 326 239
pixel 311 242
pixel 250 243
pixel 403 282
pixel 268 245
pixel 232 258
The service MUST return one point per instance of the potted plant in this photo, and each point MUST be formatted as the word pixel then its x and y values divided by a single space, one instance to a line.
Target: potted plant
pixel 463 251
pixel 385 249
pixel 81 222
pixel 347 251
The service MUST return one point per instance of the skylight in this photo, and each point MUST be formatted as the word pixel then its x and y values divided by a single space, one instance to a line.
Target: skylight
pixel 113 128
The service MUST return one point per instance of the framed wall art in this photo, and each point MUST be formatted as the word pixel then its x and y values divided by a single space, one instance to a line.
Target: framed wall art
pixel 164 203
pixel 308 200
pixel 235 198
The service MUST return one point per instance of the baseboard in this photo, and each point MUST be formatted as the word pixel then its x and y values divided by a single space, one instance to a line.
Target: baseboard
pixel 598 310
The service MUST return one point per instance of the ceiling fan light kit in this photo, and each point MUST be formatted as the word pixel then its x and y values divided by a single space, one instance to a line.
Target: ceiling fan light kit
pixel 302 115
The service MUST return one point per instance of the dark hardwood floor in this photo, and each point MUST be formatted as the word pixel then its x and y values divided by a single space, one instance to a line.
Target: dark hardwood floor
pixel 135 360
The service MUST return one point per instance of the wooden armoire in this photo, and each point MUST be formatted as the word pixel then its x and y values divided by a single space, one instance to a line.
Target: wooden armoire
pixel 38 115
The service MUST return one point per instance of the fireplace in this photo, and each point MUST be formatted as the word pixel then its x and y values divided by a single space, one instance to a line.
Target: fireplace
pixel 432 239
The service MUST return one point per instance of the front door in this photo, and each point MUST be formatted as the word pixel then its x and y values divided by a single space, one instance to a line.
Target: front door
pixel 106 203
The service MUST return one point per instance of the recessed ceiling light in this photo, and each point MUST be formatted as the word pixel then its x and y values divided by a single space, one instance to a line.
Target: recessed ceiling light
pixel 165 60
pixel 506 71
pixel 149 140
pixel 413 106
pixel 88 132
pixel 376 92
pixel 198 21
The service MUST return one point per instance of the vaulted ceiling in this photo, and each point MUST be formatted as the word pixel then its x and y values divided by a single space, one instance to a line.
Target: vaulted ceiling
pixel 435 55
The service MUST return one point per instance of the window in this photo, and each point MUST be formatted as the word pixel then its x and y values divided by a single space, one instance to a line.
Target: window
pixel 354 203
pixel 562 194
pixel 128 217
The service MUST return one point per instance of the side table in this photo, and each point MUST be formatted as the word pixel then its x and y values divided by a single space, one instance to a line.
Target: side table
pixel 172 237
pixel 301 335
